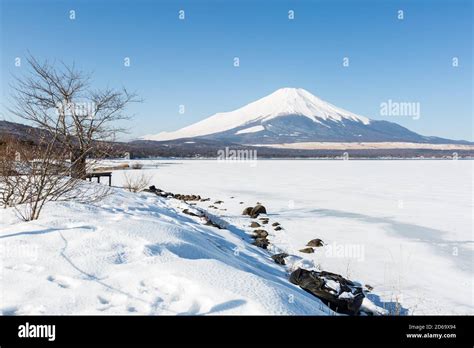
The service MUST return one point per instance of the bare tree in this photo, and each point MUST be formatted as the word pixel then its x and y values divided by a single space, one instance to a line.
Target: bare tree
pixel 73 122
pixel 59 99
pixel 33 174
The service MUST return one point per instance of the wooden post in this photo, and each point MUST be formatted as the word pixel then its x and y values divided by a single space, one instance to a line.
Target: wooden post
pixel 110 179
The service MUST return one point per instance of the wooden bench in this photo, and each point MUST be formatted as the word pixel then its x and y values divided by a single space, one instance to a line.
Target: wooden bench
pixel 98 175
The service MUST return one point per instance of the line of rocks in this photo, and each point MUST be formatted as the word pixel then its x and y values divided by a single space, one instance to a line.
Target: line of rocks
pixel 259 235
pixel 337 292
pixel 340 294
pixel 182 197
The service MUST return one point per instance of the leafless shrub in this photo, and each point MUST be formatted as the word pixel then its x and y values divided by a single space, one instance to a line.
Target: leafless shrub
pixel 136 183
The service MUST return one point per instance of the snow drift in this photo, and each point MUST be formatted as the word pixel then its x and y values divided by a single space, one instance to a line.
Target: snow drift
pixel 137 254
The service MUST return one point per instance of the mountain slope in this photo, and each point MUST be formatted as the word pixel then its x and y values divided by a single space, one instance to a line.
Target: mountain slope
pixel 293 115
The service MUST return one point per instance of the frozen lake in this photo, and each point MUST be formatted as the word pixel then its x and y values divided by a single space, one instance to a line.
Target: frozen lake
pixel 404 227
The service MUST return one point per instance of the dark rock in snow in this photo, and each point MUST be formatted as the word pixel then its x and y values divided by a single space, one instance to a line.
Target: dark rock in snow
pixel 261 233
pixel 280 258
pixel 254 224
pixel 261 243
pixel 186 211
pixel 276 224
pixel 247 211
pixel 315 243
pixel 307 250
pixel 212 223
pixel 257 210
pixel 340 294
pixel 278 228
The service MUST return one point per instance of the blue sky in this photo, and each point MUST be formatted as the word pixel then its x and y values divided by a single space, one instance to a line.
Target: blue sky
pixel 190 62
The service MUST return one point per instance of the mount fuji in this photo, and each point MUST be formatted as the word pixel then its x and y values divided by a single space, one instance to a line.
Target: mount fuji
pixel 292 115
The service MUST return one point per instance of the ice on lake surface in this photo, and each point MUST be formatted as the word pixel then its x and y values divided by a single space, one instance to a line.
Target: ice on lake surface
pixel 402 226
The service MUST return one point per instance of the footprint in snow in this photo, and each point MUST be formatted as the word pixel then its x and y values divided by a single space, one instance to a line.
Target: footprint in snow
pixel 103 300
pixel 62 281
pixel 104 303
pixel 131 309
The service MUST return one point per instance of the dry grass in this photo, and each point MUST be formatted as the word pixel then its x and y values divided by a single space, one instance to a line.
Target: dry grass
pixel 135 183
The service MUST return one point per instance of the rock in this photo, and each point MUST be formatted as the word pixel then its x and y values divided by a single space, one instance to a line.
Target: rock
pixel 369 287
pixel 152 188
pixel 254 224
pixel 257 210
pixel 205 199
pixel 261 243
pixel 264 222
pixel 186 211
pixel 276 224
pixel 340 294
pixel 280 258
pixel 247 211
pixel 264 219
pixel 211 223
pixel 261 233
pixel 278 228
pixel 307 250
pixel 218 202
pixel 315 243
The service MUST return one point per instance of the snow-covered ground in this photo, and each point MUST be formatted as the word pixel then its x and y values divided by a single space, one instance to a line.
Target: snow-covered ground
pixel 137 254
pixel 404 227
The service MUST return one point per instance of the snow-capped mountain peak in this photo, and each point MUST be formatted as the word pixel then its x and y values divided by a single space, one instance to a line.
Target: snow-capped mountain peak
pixel 298 101
pixel 282 102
